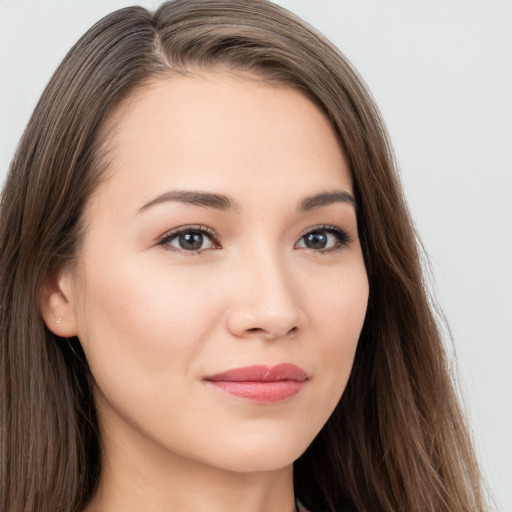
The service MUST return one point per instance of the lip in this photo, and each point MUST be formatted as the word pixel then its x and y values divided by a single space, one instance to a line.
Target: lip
pixel 260 383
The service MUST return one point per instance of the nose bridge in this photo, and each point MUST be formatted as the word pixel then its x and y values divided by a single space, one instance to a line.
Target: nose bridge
pixel 266 301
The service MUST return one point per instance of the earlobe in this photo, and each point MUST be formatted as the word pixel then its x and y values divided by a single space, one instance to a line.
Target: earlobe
pixel 58 307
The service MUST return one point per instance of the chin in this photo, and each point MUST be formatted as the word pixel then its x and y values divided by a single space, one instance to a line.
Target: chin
pixel 267 455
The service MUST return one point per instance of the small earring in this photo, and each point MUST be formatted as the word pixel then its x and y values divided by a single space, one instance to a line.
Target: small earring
pixel 59 320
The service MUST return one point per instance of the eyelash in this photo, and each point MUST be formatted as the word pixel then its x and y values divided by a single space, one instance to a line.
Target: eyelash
pixel 342 236
pixel 203 230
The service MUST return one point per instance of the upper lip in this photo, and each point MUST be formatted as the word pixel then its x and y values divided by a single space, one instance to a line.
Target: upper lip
pixel 261 373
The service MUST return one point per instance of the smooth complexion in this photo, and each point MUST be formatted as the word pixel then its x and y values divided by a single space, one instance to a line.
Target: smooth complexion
pixel 224 237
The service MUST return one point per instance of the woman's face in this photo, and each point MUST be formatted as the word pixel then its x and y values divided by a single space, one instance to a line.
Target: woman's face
pixel 224 237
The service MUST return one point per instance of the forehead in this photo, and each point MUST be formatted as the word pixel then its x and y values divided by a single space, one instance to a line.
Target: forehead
pixel 223 133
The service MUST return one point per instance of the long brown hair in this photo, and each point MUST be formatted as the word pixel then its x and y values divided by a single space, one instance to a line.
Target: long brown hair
pixel 397 439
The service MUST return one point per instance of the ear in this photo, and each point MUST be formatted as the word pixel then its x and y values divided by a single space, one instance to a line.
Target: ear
pixel 58 305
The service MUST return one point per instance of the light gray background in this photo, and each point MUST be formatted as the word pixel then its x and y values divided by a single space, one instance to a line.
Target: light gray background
pixel 441 72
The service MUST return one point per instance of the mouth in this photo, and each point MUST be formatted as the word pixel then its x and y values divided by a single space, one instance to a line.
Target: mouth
pixel 261 383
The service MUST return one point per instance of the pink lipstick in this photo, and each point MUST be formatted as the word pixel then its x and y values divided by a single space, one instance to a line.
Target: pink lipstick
pixel 261 383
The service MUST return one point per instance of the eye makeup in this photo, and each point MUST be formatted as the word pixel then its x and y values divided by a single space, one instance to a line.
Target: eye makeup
pixel 190 240
pixel 196 239
pixel 324 239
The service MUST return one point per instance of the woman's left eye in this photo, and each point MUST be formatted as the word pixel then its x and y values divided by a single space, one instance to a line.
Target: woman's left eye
pixel 191 240
pixel 324 239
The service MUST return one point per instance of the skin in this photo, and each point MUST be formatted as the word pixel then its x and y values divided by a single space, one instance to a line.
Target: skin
pixel 155 318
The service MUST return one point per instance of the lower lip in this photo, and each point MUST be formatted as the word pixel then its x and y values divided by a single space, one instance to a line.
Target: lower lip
pixel 262 392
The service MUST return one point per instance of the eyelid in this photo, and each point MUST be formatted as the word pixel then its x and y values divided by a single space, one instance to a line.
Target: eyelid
pixel 205 230
pixel 343 236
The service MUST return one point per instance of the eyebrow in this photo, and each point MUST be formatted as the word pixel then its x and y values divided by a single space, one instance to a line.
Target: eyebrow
pixel 222 202
pixel 196 198
pixel 325 199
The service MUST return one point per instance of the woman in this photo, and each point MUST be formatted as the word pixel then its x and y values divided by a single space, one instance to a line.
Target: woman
pixel 257 334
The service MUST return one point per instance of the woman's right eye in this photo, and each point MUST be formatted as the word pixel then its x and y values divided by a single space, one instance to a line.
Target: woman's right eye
pixel 192 240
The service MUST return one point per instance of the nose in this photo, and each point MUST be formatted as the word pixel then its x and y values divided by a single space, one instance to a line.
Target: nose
pixel 265 303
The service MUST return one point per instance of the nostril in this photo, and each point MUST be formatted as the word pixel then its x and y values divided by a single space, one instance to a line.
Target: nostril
pixel 260 331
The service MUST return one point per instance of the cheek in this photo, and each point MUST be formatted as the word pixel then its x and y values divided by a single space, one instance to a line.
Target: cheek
pixel 142 333
pixel 138 321
pixel 339 305
pixel 337 320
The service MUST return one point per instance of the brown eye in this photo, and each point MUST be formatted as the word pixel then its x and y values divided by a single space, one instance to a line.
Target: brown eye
pixel 194 240
pixel 190 241
pixel 317 240
pixel 323 239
